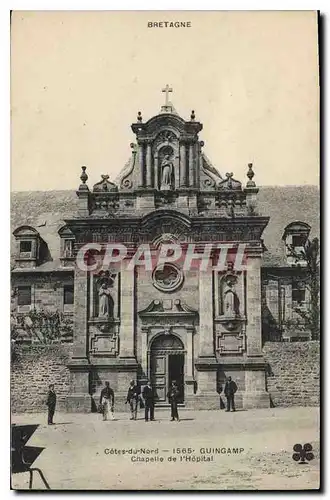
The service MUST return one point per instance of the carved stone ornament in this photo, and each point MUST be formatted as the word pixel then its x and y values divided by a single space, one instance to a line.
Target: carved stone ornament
pixel 104 284
pixel 230 343
pixel 103 344
pixel 167 278
pixel 230 183
pixel 165 136
pixel 104 185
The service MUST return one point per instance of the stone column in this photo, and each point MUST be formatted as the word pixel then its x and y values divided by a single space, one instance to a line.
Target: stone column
pixel 199 160
pixel 191 166
pixel 141 163
pixel 206 343
pixel 79 398
pixel 183 165
pixel 126 336
pixel 156 172
pixel 149 166
pixel 253 307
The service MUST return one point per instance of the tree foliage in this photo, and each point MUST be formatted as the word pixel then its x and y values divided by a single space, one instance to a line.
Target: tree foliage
pixel 43 326
pixel 310 316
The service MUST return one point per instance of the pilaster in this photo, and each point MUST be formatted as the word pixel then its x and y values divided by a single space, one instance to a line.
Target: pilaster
pixel 149 165
pixel 253 306
pixel 80 314
pixel 206 340
pixel 191 166
pixel 127 313
pixel 183 165
pixel 141 162
pixel 79 399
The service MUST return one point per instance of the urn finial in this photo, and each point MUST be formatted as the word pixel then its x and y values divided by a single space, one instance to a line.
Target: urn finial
pixel 250 176
pixel 139 117
pixel 192 116
pixel 83 178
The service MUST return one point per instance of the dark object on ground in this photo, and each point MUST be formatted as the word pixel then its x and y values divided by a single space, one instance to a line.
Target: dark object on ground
pixel 22 457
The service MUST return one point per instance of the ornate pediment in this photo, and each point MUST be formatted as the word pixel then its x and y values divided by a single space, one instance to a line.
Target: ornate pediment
pixel 167 221
pixel 104 185
pixel 230 183
pixel 168 307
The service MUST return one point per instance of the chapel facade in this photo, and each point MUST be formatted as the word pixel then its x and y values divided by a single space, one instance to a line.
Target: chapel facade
pixel 192 326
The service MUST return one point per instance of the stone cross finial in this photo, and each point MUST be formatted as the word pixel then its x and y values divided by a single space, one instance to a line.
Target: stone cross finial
pixel 167 90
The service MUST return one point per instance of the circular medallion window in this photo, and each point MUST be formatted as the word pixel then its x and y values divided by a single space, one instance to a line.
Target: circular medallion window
pixel 167 278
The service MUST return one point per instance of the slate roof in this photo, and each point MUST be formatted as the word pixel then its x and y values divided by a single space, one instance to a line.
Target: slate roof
pixel 45 211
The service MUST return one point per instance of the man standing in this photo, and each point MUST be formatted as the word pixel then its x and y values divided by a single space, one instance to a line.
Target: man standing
pixel 133 398
pixel 148 396
pixel 107 401
pixel 51 403
pixel 230 389
pixel 173 396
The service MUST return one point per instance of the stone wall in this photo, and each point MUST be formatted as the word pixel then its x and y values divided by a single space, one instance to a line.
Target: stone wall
pixel 47 290
pixel 292 379
pixel 293 373
pixel 31 373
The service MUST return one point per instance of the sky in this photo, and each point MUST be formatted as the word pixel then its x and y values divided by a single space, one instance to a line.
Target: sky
pixel 78 80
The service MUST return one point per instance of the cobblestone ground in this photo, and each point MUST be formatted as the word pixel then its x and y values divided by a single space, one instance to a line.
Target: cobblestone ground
pixel 78 451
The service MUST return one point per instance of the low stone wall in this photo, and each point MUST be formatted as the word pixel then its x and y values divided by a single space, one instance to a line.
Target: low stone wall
pixel 34 368
pixel 292 378
pixel 293 373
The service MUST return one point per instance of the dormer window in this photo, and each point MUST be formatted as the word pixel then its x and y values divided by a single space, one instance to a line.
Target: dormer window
pixel 298 240
pixel 298 294
pixel 295 237
pixel 67 246
pixel 28 246
pixel 25 248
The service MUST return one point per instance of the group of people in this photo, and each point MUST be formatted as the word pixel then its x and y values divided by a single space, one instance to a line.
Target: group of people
pixel 145 400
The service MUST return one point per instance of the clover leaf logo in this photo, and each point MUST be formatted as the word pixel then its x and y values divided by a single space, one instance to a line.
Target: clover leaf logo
pixel 303 453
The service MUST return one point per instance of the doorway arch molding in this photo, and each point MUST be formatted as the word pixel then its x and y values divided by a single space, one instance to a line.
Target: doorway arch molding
pixel 163 335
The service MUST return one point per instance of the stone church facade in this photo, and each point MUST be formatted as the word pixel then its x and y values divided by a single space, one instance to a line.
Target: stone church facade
pixel 167 323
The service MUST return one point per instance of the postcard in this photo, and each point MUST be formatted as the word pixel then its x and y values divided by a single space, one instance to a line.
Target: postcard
pixel 165 285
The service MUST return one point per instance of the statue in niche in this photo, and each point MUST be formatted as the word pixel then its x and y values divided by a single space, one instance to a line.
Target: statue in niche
pixel 104 301
pixel 105 309
pixel 167 169
pixel 230 299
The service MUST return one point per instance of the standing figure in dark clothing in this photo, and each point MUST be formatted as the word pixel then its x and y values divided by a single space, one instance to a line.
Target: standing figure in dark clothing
pixel 51 403
pixel 173 396
pixel 149 401
pixel 133 398
pixel 107 401
pixel 230 389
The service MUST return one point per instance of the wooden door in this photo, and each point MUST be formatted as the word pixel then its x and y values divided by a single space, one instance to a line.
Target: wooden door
pixel 159 376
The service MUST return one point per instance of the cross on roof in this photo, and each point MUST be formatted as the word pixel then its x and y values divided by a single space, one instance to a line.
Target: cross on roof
pixel 167 90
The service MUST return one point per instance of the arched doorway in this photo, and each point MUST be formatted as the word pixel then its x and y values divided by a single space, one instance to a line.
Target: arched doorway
pixel 166 365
